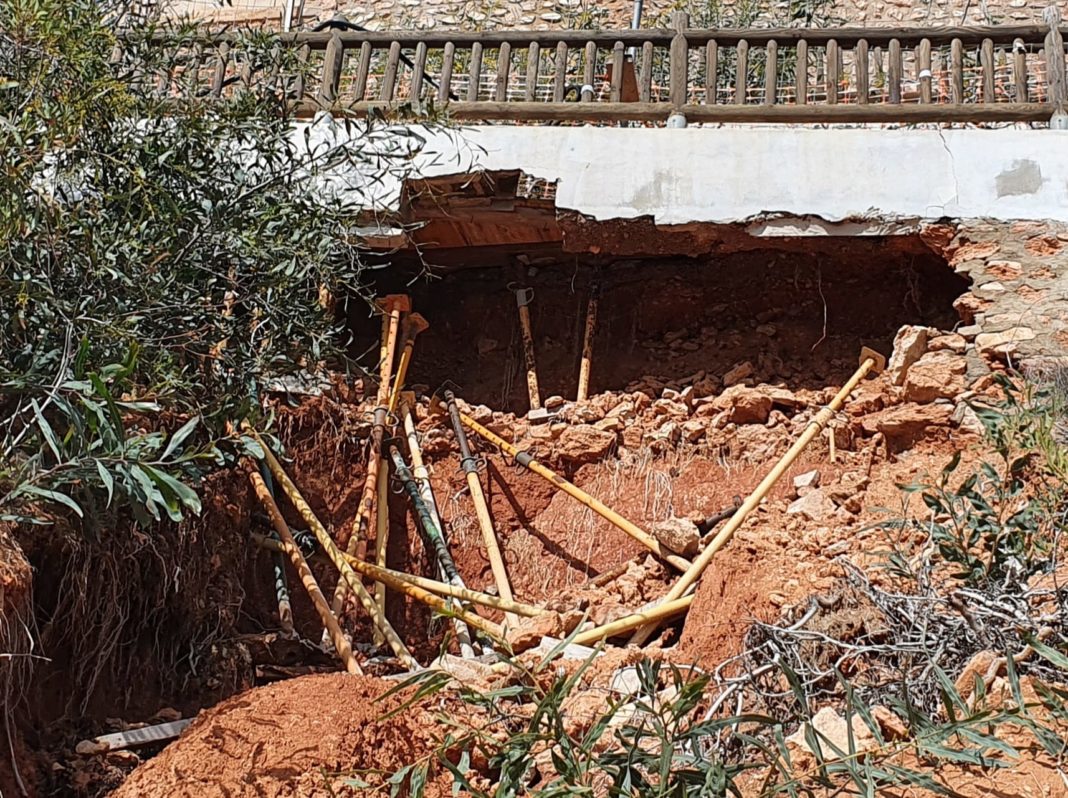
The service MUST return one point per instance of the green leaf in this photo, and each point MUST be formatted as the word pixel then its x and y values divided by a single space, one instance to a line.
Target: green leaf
pixel 1051 655
pixel 53 496
pixel 107 480
pixel 185 494
pixel 178 437
pixel 46 431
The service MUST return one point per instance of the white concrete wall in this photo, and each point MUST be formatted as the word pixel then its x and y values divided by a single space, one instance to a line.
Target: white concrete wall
pixel 725 175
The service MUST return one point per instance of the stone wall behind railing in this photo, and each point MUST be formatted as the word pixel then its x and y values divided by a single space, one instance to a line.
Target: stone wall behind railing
pixel 542 14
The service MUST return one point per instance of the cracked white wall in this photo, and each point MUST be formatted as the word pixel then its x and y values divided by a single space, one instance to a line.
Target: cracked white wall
pixel 734 174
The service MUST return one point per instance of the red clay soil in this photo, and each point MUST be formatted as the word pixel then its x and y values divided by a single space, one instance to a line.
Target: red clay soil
pixel 303 737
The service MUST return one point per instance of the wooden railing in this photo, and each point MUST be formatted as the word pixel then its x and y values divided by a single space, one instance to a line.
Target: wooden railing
pixel 790 75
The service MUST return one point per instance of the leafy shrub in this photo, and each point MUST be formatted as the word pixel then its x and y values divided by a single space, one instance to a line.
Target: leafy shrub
pixel 197 243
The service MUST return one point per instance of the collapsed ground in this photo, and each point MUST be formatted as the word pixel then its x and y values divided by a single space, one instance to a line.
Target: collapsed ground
pixel 703 376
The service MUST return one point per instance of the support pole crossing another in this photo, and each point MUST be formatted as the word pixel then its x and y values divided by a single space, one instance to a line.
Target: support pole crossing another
pixel 610 515
pixel 872 361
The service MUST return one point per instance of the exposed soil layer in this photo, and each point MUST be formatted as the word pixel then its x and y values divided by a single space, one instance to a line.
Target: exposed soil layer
pixel 799 317
pixel 303 737
pixel 796 322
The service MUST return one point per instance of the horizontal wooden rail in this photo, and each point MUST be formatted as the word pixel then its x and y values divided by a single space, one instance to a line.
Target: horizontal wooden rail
pixel 713 114
pixel 774 75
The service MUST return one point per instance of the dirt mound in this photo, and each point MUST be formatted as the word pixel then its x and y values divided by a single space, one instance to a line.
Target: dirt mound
pixel 304 737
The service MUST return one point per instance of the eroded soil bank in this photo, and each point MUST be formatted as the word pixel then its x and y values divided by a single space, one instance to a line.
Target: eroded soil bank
pixel 704 372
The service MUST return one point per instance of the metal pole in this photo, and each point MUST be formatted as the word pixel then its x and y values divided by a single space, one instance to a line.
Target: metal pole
pixel 426 490
pixel 489 536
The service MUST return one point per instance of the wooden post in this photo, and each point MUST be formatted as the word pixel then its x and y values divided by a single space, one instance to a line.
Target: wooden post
pixel 619 54
pixel 587 343
pixel 415 94
pixel 986 60
pixel 448 57
pixel 645 87
pixel 1019 70
pixel 381 538
pixel 363 71
pixel 741 77
pixel 523 297
pixel 475 74
pixel 923 70
pixel 894 71
pixel 956 70
pixel 560 73
pixel 533 69
pixel 711 72
pixel 680 60
pixel 1055 67
pixel 832 72
pixel 801 72
pixel 331 77
pixel 389 79
pixel 589 73
pixel 504 67
pixel 860 57
pixel 771 69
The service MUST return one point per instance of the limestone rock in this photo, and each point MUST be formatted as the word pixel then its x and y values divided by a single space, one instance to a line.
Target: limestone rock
pixel 466 671
pixel 936 375
pixel 678 534
pixel 530 631
pixel 803 483
pixel 584 444
pixel 586 413
pixel 782 397
pixel 693 430
pixel 90 748
pixel 744 405
pixel 612 425
pixel 909 345
pixel 832 734
pixel 1003 342
pixel 671 409
pixel 814 505
pixel 622 410
pixel 965 418
pixel 952 342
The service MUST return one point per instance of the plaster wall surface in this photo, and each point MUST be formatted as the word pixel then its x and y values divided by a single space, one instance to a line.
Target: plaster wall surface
pixel 736 174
